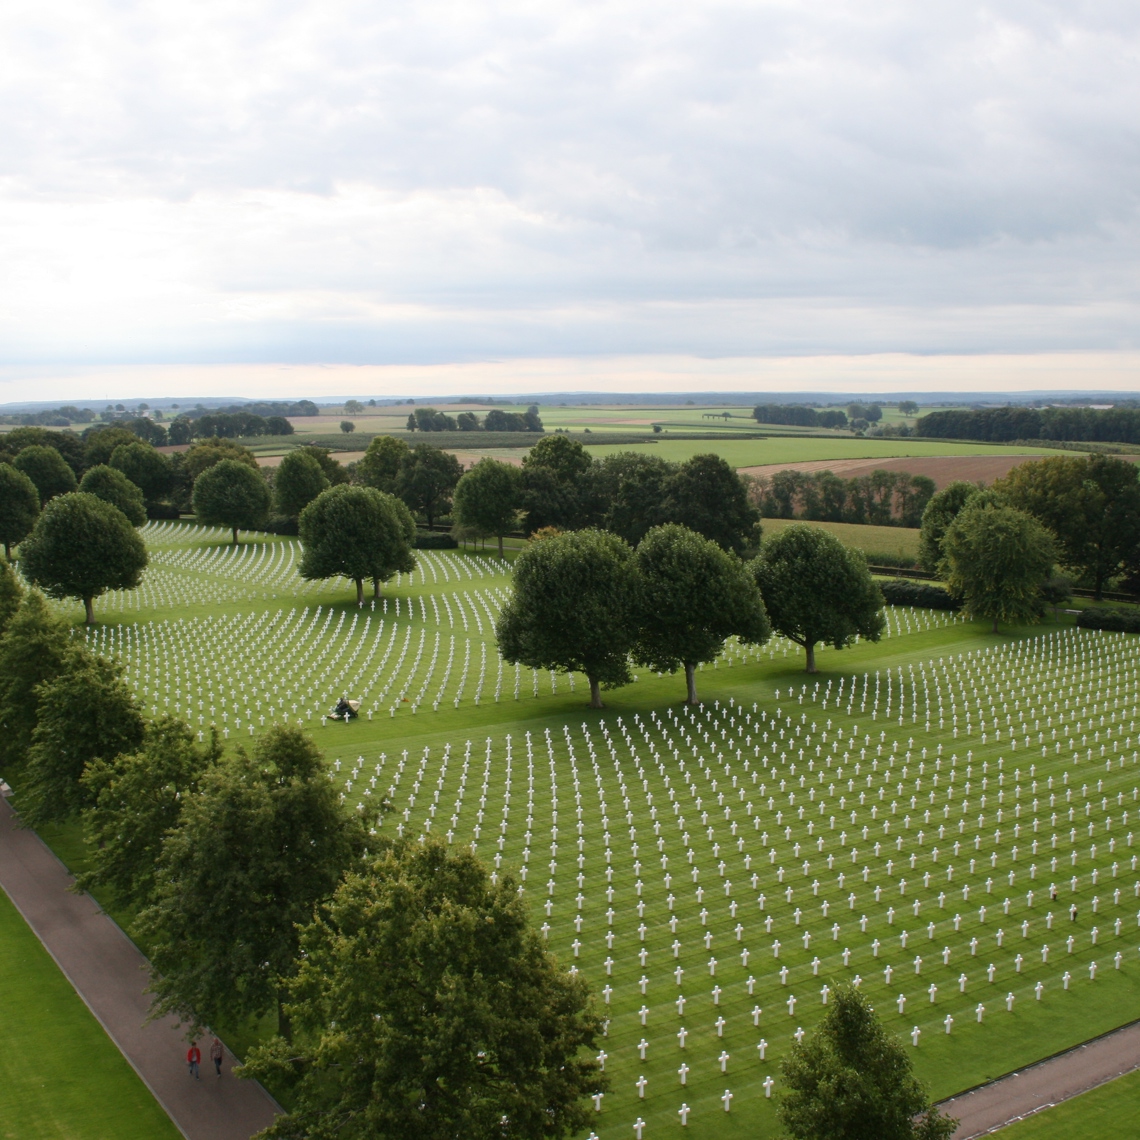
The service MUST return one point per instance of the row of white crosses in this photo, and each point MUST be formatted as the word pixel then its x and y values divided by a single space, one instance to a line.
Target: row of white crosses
pixel 769 856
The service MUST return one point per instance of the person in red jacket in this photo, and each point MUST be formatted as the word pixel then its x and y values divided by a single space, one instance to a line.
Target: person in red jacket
pixel 194 1059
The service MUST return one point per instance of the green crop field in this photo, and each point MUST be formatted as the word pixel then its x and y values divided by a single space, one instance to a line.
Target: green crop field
pixel 900 540
pixel 60 1075
pixel 901 820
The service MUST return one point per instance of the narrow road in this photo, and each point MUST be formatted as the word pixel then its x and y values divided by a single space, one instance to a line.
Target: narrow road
pixel 1047 1083
pixel 110 975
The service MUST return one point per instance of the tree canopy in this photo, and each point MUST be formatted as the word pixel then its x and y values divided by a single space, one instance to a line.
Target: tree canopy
pixel 940 512
pixel 231 494
pixel 427 1008
pixel 817 590
pixel 208 452
pixel 381 463
pixel 19 506
pixel 1091 503
pixel 148 469
pixel 47 469
pixel 81 547
pixel 427 479
pixel 572 608
pixel 851 1079
pixel 997 558
pixel 85 713
pixel 706 495
pixel 112 486
pixel 263 842
pixel 486 500
pixel 691 596
pixel 358 532
pixel 11 594
pixel 297 481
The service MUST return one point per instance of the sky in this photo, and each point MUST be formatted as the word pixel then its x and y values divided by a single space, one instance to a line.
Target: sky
pixel 346 193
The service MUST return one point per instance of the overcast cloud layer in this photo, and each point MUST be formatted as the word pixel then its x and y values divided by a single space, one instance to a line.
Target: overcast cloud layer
pixel 383 183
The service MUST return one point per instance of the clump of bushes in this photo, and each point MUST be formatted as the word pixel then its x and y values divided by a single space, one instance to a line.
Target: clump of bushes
pixel 434 540
pixel 1114 621
pixel 924 595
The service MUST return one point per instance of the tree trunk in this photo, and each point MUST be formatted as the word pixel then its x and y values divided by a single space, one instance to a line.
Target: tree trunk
pixel 376 587
pixel 595 694
pixel 691 682
pixel 284 1023
pixel 500 546
pixel 7 552
pixel 811 657
pixel 89 605
pixel 235 529
pixel 995 625
pixel 359 591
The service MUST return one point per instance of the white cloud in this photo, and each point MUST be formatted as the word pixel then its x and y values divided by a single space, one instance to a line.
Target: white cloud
pixel 453 181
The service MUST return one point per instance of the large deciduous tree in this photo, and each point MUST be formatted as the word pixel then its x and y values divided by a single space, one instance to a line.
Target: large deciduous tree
pixel 85 713
pixel 573 608
pixel 134 799
pixel 691 596
pixel 706 495
pixel 232 495
pixel 261 845
pixel 630 488
pixel 1091 503
pixel 148 469
pixel 81 547
pixel 427 479
pixel 36 647
pixel 47 469
pixel 358 532
pixel 852 1079
pixel 555 490
pixel 427 1008
pixel 997 557
pixel 380 465
pixel 19 506
pixel 11 594
pixel 817 590
pixel 487 500
pixel 940 512
pixel 297 482
pixel 112 486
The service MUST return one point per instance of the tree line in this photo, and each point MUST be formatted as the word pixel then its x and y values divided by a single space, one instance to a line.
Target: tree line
pixel 857 416
pixel 880 498
pixel 430 419
pixel 1004 425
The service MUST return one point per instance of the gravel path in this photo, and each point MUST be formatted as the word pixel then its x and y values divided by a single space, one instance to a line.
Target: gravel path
pixel 110 975
pixel 1049 1082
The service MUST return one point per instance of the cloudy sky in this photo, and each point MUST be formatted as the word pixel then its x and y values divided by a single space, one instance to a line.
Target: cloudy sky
pixel 244 184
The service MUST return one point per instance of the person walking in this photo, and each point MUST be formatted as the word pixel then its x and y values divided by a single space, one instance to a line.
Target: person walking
pixel 216 1054
pixel 194 1059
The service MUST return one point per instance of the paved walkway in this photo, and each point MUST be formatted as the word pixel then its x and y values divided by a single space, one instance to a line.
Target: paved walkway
pixel 110 975
pixel 1047 1083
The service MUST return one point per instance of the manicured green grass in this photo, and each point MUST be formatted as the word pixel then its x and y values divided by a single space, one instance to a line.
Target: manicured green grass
pixel 236 632
pixel 60 1075
pixel 1109 1112
pixel 873 539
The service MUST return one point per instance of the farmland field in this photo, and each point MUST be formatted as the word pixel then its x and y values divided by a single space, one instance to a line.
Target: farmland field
pixel 899 540
pixel 902 820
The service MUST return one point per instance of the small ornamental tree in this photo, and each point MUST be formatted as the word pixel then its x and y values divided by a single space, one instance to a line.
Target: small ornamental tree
pixel 691 596
pixel 940 512
pixel 112 486
pixel 86 713
pixel 148 469
pixel 82 547
pixel 573 608
pixel 47 469
pixel 230 494
pixel 381 463
pixel 817 590
pixel 852 1079
pixel 487 500
pixel 36 647
pixel 427 480
pixel 996 559
pixel 427 1007
pixel 135 798
pixel 261 845
pixel 297 482
pixel 19 506
pixel 358 532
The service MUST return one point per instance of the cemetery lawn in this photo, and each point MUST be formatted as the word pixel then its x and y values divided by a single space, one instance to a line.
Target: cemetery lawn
pixel 1109 1112
pixel 60 1075
pixel 648 824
